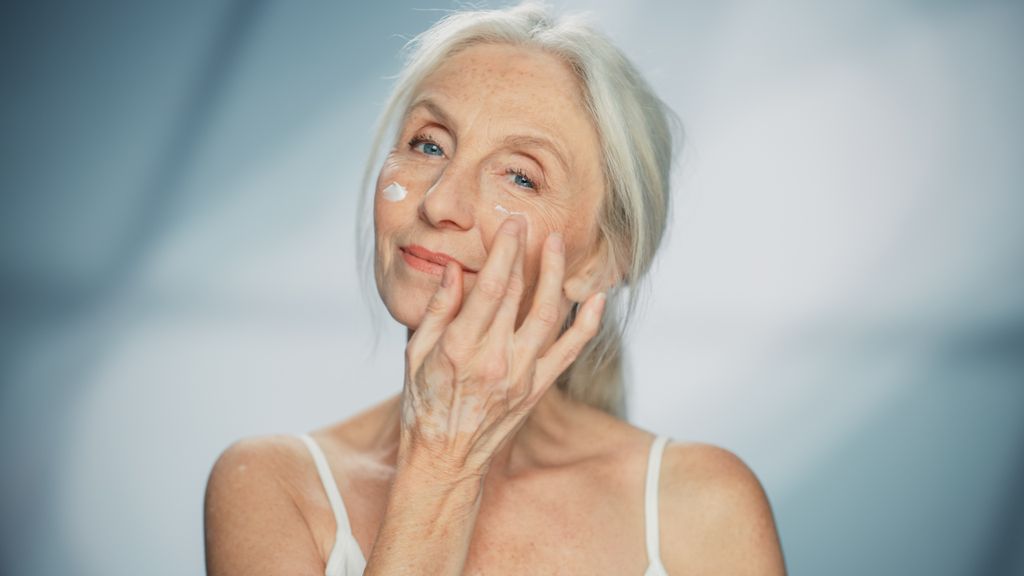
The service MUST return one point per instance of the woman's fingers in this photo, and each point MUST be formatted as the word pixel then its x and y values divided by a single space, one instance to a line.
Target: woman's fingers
pixel 505 320
pixel 482 303
pixel 546 312
pixel 562 353
pixel 443 306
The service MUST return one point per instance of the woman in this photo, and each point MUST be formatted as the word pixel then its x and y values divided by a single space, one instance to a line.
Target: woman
pixel 526 185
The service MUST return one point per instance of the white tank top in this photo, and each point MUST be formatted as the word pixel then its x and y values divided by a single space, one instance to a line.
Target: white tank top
pixel 346 558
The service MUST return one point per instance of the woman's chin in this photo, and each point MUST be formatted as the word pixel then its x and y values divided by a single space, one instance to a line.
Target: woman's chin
pixel 407 313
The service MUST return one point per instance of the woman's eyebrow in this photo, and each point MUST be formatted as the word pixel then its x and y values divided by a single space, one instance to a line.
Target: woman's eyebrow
pixel 529 141
pixel 435 110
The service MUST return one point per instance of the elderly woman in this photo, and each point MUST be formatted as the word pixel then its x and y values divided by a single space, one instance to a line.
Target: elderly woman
pixel 523 197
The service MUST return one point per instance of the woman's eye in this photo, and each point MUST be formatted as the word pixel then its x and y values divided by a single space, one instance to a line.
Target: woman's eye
pixel 426 146
pixel 519 178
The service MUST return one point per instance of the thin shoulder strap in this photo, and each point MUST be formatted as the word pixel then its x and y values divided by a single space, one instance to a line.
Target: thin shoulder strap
pixel 327 479
pixel 651 501
pixel 346 558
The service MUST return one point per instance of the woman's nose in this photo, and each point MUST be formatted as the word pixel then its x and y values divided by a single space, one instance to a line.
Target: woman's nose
pixel 448 203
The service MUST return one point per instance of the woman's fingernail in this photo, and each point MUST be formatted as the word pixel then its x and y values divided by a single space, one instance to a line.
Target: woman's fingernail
pixel 446 277
pixel 512 226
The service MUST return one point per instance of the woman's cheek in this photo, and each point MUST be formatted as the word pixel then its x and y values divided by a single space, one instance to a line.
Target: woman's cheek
pixel 389 170
pixel 397 190
pixel 413 174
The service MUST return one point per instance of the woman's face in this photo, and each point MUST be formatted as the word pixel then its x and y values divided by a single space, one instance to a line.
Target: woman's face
pixel 496 130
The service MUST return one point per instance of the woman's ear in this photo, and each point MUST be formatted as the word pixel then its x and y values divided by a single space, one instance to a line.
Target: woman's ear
pixel 595 273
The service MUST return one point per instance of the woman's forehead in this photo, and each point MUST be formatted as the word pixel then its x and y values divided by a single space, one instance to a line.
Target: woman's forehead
pixel 507 82
pixel 502 62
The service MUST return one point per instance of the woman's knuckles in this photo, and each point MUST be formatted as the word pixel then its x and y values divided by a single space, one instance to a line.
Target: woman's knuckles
pixel 413 355
pixel 571 352
pixel 455 349
pixel 515 286
pixel 548 314
pixel 439 305
pixel 492 288
pixel 492 371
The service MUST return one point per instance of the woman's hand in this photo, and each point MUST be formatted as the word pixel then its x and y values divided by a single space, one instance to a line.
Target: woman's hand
pixel 472 377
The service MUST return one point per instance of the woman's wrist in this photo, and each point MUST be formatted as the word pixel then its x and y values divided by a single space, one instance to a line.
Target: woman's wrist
pixel 428 523
pixel 440 496
pixel 424 470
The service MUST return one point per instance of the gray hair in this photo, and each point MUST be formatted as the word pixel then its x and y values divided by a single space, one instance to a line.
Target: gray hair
pixel 636 132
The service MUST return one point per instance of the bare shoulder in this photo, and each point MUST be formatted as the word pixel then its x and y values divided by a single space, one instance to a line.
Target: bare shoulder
pixel 266 454
pixel 253 519
pixel 715 515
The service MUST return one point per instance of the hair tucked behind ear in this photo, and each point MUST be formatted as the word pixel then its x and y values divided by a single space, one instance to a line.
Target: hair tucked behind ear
pixel 636 132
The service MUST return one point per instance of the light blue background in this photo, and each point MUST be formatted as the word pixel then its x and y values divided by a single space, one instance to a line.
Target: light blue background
pixel 839 302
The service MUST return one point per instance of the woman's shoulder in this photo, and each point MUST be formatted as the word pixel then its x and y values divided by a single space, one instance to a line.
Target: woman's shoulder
pixel 287 459
pixel 275 477
pixel 259 464
pixel 258 497
pixel 278 466
pixel 715 513
pixel 268 452
pixel 702 468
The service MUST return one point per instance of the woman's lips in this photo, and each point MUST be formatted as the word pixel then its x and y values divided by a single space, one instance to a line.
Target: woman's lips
pixel 427 261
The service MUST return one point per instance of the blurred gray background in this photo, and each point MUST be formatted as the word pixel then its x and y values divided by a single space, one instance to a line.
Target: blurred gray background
pixel 840 300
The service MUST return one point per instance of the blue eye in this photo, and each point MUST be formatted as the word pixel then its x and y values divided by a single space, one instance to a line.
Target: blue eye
pixel 426 145
pixel 519 178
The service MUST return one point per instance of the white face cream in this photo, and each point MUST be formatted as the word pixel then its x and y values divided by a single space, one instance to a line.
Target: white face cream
pixel 395 192
pixel 506 211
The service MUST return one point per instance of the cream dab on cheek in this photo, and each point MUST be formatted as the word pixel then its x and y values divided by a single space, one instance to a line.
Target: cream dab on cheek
pixel 506 211
pixel 502 210
pixel 395 192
